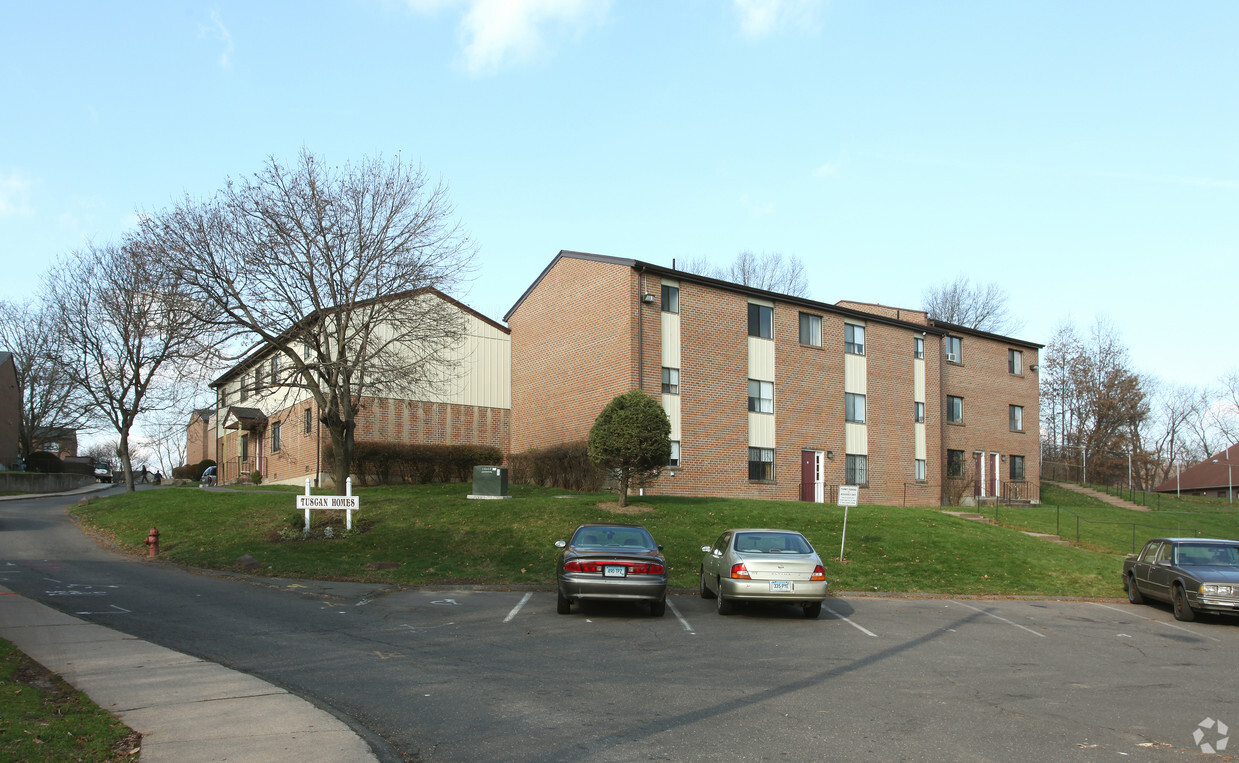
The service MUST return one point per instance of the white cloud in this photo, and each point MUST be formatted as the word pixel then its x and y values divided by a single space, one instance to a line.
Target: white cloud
pixel 496 33
pixel 221 33
pixel 762 18
pixel 15 196
pixel 829 169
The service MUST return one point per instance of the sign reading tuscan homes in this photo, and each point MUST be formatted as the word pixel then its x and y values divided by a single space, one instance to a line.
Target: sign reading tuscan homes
pixel 348 503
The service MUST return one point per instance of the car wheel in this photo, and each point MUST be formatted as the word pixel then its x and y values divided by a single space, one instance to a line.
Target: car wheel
pixel 564 605
pixel 725 607
pixel 1133 593
pixel 1182 610
pixel 706 593
pixel 658 608
pixel 811 611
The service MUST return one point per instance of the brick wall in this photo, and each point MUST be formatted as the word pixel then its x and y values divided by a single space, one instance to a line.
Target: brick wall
pixel 573 350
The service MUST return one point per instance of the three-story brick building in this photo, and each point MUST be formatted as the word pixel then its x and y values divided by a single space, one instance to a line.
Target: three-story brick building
pixel 775 396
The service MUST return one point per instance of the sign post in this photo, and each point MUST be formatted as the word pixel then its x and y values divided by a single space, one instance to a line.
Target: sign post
pixel 849 495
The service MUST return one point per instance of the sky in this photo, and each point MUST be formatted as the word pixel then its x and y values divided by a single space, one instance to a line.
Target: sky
pixel 1084 156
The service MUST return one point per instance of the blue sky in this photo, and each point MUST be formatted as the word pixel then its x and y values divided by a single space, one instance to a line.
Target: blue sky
pixel 1083 155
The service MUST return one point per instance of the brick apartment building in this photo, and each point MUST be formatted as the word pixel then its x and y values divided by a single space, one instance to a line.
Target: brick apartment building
pixel 260 424
pixel 774 396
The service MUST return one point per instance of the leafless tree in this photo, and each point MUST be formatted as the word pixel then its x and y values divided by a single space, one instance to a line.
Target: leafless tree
pixel 125 334
pixel 769 271
pixel 49 401
pixel 328 267
pixel 1092 400
pixel 982 307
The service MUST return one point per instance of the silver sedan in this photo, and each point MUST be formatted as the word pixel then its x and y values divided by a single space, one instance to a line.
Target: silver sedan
pixel 763 565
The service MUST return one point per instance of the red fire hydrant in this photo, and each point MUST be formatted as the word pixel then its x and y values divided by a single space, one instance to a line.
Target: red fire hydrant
pixel 152 542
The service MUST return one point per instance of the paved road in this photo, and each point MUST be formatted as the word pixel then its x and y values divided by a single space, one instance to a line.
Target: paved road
pixel 497 675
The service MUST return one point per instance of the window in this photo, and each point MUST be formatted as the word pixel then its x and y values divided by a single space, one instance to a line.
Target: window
pixel 275 370
pixel 245 447
pixel 920 469
pixel 275 436
pixel 309 420
pixel 245 390
pixel 1016 417
pixel 258 380
pixel 954 409
pixel 857 470
pixel 761 396
pixel 919 412
pixel 671 381
pixel 760 321
pixel 811 329
pixel 1017 467
pixel 854 408
pixel 761 463
pixel 675 454
pixel 918 347
pixel 854 339
pixel 953 350
pixel 955 463
pixel 671 299
pixel 1015 362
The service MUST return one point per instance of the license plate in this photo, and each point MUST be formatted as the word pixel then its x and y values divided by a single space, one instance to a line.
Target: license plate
pixel 780 586
pixel 614 571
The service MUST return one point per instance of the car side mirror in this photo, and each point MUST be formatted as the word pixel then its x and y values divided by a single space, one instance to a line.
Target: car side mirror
pixel 1163 563
pixel 561 544
pixel 706 549
pixel 660 547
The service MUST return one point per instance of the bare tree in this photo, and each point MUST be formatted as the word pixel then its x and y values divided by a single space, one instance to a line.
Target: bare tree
pixel 49 401
pixel 330 267
pixel 1094 402
pixel 768 271
pixel 982 307
pixel 124 332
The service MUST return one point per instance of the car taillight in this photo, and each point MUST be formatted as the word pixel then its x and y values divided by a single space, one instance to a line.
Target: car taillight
pixel 740 571
pixel 819 573
pixel 596 567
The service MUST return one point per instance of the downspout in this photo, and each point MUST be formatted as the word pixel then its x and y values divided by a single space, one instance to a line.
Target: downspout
pixel 640 331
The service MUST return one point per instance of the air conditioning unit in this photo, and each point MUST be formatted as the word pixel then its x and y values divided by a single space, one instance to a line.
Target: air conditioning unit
pixel 952 357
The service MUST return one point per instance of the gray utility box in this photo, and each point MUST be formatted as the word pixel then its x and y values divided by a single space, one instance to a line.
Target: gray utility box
pixel 490 482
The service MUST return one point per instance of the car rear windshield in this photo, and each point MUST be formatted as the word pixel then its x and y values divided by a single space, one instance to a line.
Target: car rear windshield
pixel 611 537
pixel 772 543
pixel 1207 554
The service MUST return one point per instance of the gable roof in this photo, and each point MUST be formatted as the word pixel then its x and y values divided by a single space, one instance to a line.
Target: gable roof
pixel 884 316
pixel 1215 472
pixel 263 348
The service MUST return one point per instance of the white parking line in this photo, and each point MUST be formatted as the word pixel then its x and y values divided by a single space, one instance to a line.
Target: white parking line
pixel 518 606
pixel 683 622
pixel 1162 622
pixel 847 620
pixel 996 617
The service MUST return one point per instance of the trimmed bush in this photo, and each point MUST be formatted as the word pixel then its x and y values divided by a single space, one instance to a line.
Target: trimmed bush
pixel 385 463
pixel 44 463
pixel 192 471
pixel 566 466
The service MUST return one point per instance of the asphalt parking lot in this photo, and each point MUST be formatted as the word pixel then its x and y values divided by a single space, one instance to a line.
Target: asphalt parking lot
pixel 892 678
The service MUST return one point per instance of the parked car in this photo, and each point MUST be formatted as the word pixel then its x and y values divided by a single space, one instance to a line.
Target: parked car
pixel 1192 574
pixel 612 562
pixel 763 565
pixel 103 471
pixel 208 477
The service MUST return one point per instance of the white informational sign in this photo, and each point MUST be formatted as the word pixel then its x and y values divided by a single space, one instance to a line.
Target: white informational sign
pixel 849 495
pixel 346 503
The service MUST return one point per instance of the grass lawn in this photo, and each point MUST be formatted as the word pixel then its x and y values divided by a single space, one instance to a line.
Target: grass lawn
pixel 43 718
pixel 437 536
pixel 1110 528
